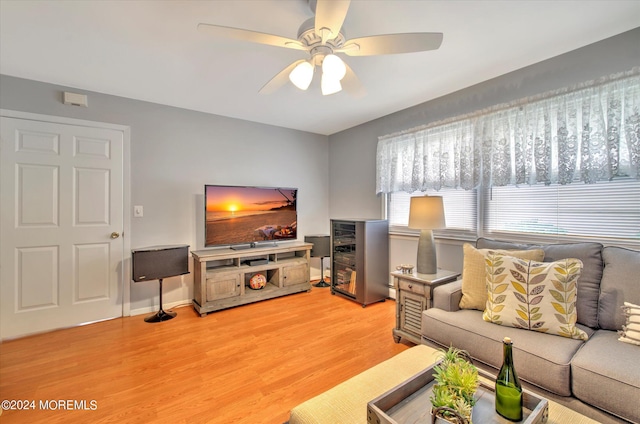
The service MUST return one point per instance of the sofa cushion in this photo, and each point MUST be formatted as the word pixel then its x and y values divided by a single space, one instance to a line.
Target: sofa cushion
pixel 545 359
pixel 474 282
pixel 589 282
pixel 605 374
pixel 533 295
pixel 620 283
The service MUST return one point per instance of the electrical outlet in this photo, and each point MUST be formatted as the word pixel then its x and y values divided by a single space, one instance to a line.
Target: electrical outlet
pixel 138 211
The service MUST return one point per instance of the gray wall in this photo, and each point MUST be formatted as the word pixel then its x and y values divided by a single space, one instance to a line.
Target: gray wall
pixel 352 152
pixel 174 152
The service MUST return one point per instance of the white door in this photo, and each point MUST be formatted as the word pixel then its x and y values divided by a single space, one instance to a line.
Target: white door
pixel 61 246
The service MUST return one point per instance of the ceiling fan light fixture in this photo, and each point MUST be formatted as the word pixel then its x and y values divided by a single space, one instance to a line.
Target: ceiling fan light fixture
pixel 302 75
pixel 329 85
pixel 333 67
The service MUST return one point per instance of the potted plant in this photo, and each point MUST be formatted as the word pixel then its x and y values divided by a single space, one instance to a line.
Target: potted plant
pixel 456 381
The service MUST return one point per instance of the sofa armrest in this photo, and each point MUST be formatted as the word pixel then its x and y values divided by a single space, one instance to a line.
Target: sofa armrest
pixel 447 296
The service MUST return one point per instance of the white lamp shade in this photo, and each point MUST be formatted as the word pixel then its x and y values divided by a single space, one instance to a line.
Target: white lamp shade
pixel 426 213
pixel 333 67
pixel 302 75
pixel 329 85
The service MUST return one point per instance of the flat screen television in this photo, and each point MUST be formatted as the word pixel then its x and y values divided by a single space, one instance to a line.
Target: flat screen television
pixel 243 217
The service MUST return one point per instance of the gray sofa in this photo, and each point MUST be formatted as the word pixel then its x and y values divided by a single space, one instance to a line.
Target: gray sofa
pixel 602 372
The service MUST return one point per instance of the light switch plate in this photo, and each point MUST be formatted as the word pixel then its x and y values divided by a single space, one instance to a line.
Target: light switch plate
pixel 138 211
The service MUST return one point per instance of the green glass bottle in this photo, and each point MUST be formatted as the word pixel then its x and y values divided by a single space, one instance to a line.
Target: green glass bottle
pixel 508 388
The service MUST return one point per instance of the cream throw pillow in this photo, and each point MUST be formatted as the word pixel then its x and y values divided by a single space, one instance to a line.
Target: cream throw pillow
pixel 539 296
pixel 474 281
pixel 631 329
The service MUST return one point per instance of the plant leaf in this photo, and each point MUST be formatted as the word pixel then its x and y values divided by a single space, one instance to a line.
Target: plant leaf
pixel 558 307
pixel 518 276
pixel 560 270
pixel 536 290
pixel 538 279
pixel 536 300
pixel 520 268
pixel 536 269
pixel 520 297
pixel 501 288
pixel 518 287
pixel 557 296
pixel 499 278
pixel 558 286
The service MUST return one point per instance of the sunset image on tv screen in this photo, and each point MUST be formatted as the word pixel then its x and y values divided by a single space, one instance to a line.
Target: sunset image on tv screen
pixel 236 215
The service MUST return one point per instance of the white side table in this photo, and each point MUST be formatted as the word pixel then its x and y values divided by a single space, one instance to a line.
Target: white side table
pixel 414 294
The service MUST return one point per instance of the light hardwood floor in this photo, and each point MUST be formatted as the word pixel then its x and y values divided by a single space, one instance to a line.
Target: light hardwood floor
pixel 249 364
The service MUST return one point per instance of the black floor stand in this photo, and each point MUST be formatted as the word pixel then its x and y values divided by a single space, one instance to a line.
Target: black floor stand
pixel 161 315
pixel 322 283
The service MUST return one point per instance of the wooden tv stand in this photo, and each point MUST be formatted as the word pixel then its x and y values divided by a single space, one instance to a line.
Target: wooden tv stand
pixel 221 276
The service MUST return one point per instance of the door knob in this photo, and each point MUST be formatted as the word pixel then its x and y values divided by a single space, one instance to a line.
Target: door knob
pixel 115 235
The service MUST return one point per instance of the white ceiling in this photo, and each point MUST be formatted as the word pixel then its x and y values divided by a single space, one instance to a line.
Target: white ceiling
pixel 150 50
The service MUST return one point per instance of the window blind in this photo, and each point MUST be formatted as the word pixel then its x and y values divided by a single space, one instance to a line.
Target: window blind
pixel 606 210
pixel 460 208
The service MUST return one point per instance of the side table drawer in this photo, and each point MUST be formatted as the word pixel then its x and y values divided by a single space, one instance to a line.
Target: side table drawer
pixel 412 287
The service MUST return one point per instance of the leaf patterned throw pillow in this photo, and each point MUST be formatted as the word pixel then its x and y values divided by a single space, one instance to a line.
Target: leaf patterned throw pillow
pixel 538 296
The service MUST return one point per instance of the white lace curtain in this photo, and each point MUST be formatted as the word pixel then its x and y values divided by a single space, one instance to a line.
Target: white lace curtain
pixel 587 133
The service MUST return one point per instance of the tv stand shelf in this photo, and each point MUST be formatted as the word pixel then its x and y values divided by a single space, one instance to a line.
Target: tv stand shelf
pixel 221 276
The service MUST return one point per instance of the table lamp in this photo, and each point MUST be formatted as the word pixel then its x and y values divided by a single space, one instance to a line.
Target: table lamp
pixel 426 213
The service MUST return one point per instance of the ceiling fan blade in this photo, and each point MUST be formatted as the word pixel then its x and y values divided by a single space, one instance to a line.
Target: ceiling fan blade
pixel 351 84
pixel 392 44
pixel 330 15
pixel 252 36
pixel 280 79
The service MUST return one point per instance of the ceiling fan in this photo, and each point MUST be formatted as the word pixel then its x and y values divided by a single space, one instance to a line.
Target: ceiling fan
pixel 322 37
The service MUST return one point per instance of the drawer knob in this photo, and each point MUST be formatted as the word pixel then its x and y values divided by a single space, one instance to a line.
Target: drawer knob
pixel 410 286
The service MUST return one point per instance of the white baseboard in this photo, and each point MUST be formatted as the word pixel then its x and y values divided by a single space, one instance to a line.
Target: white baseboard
pixel 392 293
pixel 165 306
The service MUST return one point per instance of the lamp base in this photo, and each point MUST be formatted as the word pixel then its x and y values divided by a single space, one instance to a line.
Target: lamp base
pixel 322 283
pixel 160 316
pixel 427 262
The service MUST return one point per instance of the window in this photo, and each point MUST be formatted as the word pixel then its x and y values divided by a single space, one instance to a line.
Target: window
pixel 608 211
pixel 460 209
pixel 559 165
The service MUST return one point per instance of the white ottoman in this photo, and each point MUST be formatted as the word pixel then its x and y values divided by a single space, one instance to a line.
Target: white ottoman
pixel 346 403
